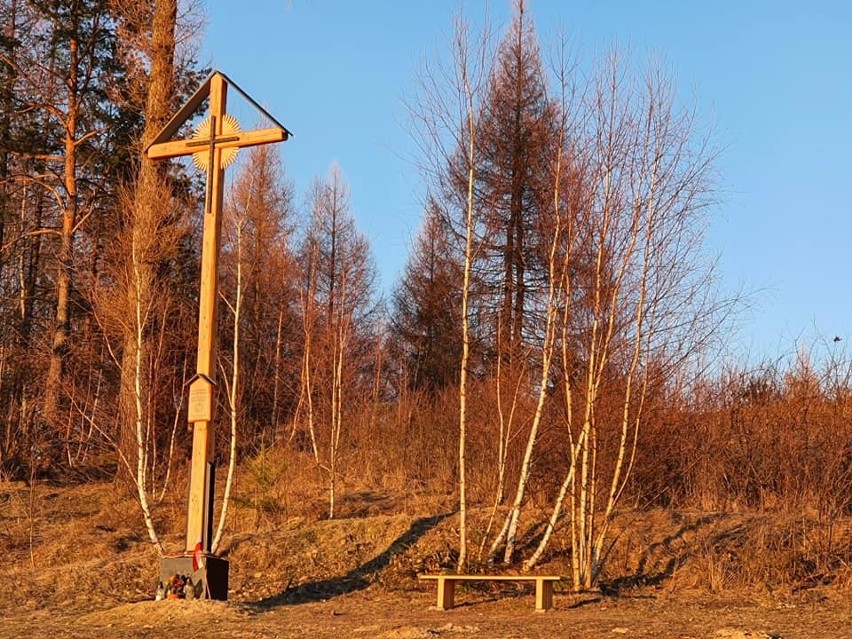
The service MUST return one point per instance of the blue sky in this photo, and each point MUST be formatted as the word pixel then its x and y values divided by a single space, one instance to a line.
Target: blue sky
pixel 773 77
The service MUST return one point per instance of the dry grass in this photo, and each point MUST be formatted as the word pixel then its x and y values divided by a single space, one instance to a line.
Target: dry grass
pixel 768 553
pixel 89 551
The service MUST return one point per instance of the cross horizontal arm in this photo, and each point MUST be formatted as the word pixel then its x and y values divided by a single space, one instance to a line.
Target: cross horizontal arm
pixel 188 147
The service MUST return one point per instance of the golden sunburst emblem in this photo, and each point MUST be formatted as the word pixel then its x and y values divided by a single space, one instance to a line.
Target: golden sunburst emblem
pixel 230 127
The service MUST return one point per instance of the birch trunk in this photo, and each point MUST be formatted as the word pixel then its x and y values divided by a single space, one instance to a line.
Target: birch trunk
pixel 468 75
pixel 337 401
pixel 233 391
pixel 547 356
pixel 468 257
pixel 150 194
pixel 141 447
pixel 306 387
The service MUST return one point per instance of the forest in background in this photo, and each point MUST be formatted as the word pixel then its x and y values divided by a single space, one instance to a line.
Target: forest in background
pixel 555 343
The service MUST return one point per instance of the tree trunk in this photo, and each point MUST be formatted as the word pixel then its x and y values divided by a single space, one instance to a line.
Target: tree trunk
pixel 233 392
pixel 468 260
pixel 149 194
pixel 62 324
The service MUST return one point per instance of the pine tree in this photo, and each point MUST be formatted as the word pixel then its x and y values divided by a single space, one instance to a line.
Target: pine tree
pixel 65 150
pixel 425 323
pixel 516 131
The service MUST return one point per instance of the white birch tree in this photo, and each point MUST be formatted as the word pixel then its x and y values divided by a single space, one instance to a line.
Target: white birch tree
pixel 337 301
pixel 639 300
pixel 444 115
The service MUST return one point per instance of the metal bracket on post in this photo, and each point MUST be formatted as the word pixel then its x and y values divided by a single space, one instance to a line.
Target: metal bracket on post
pixel 209 499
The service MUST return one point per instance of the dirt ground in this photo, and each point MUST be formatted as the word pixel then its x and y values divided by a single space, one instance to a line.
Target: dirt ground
pixel 374 613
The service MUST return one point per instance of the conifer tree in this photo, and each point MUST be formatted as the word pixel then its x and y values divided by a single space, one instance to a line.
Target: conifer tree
pixel 425 319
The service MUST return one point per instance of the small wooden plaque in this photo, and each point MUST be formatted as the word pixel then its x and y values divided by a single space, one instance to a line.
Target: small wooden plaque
pixel 200 400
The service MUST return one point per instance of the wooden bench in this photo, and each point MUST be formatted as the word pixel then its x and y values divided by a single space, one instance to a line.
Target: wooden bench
pixel 447 587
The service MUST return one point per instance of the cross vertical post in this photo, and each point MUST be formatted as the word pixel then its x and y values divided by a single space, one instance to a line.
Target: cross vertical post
pixel 203 443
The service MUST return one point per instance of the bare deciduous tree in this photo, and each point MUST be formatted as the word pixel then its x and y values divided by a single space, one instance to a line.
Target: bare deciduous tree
pixel 649 302
pixel 339 277
pixel 445 123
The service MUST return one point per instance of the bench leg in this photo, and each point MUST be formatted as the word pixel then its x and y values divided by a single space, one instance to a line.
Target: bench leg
pixel 543 595
pixel 446 593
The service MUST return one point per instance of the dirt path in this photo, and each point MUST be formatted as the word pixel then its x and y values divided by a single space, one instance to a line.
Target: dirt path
pixel 375 614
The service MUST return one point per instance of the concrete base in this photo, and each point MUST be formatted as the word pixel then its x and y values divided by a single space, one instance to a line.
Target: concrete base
pixel 211 580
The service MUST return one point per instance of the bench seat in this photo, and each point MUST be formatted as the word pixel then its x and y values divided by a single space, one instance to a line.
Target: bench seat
pixel 447 587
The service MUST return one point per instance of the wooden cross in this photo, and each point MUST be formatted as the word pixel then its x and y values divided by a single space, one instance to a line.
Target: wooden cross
pixel 218 141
